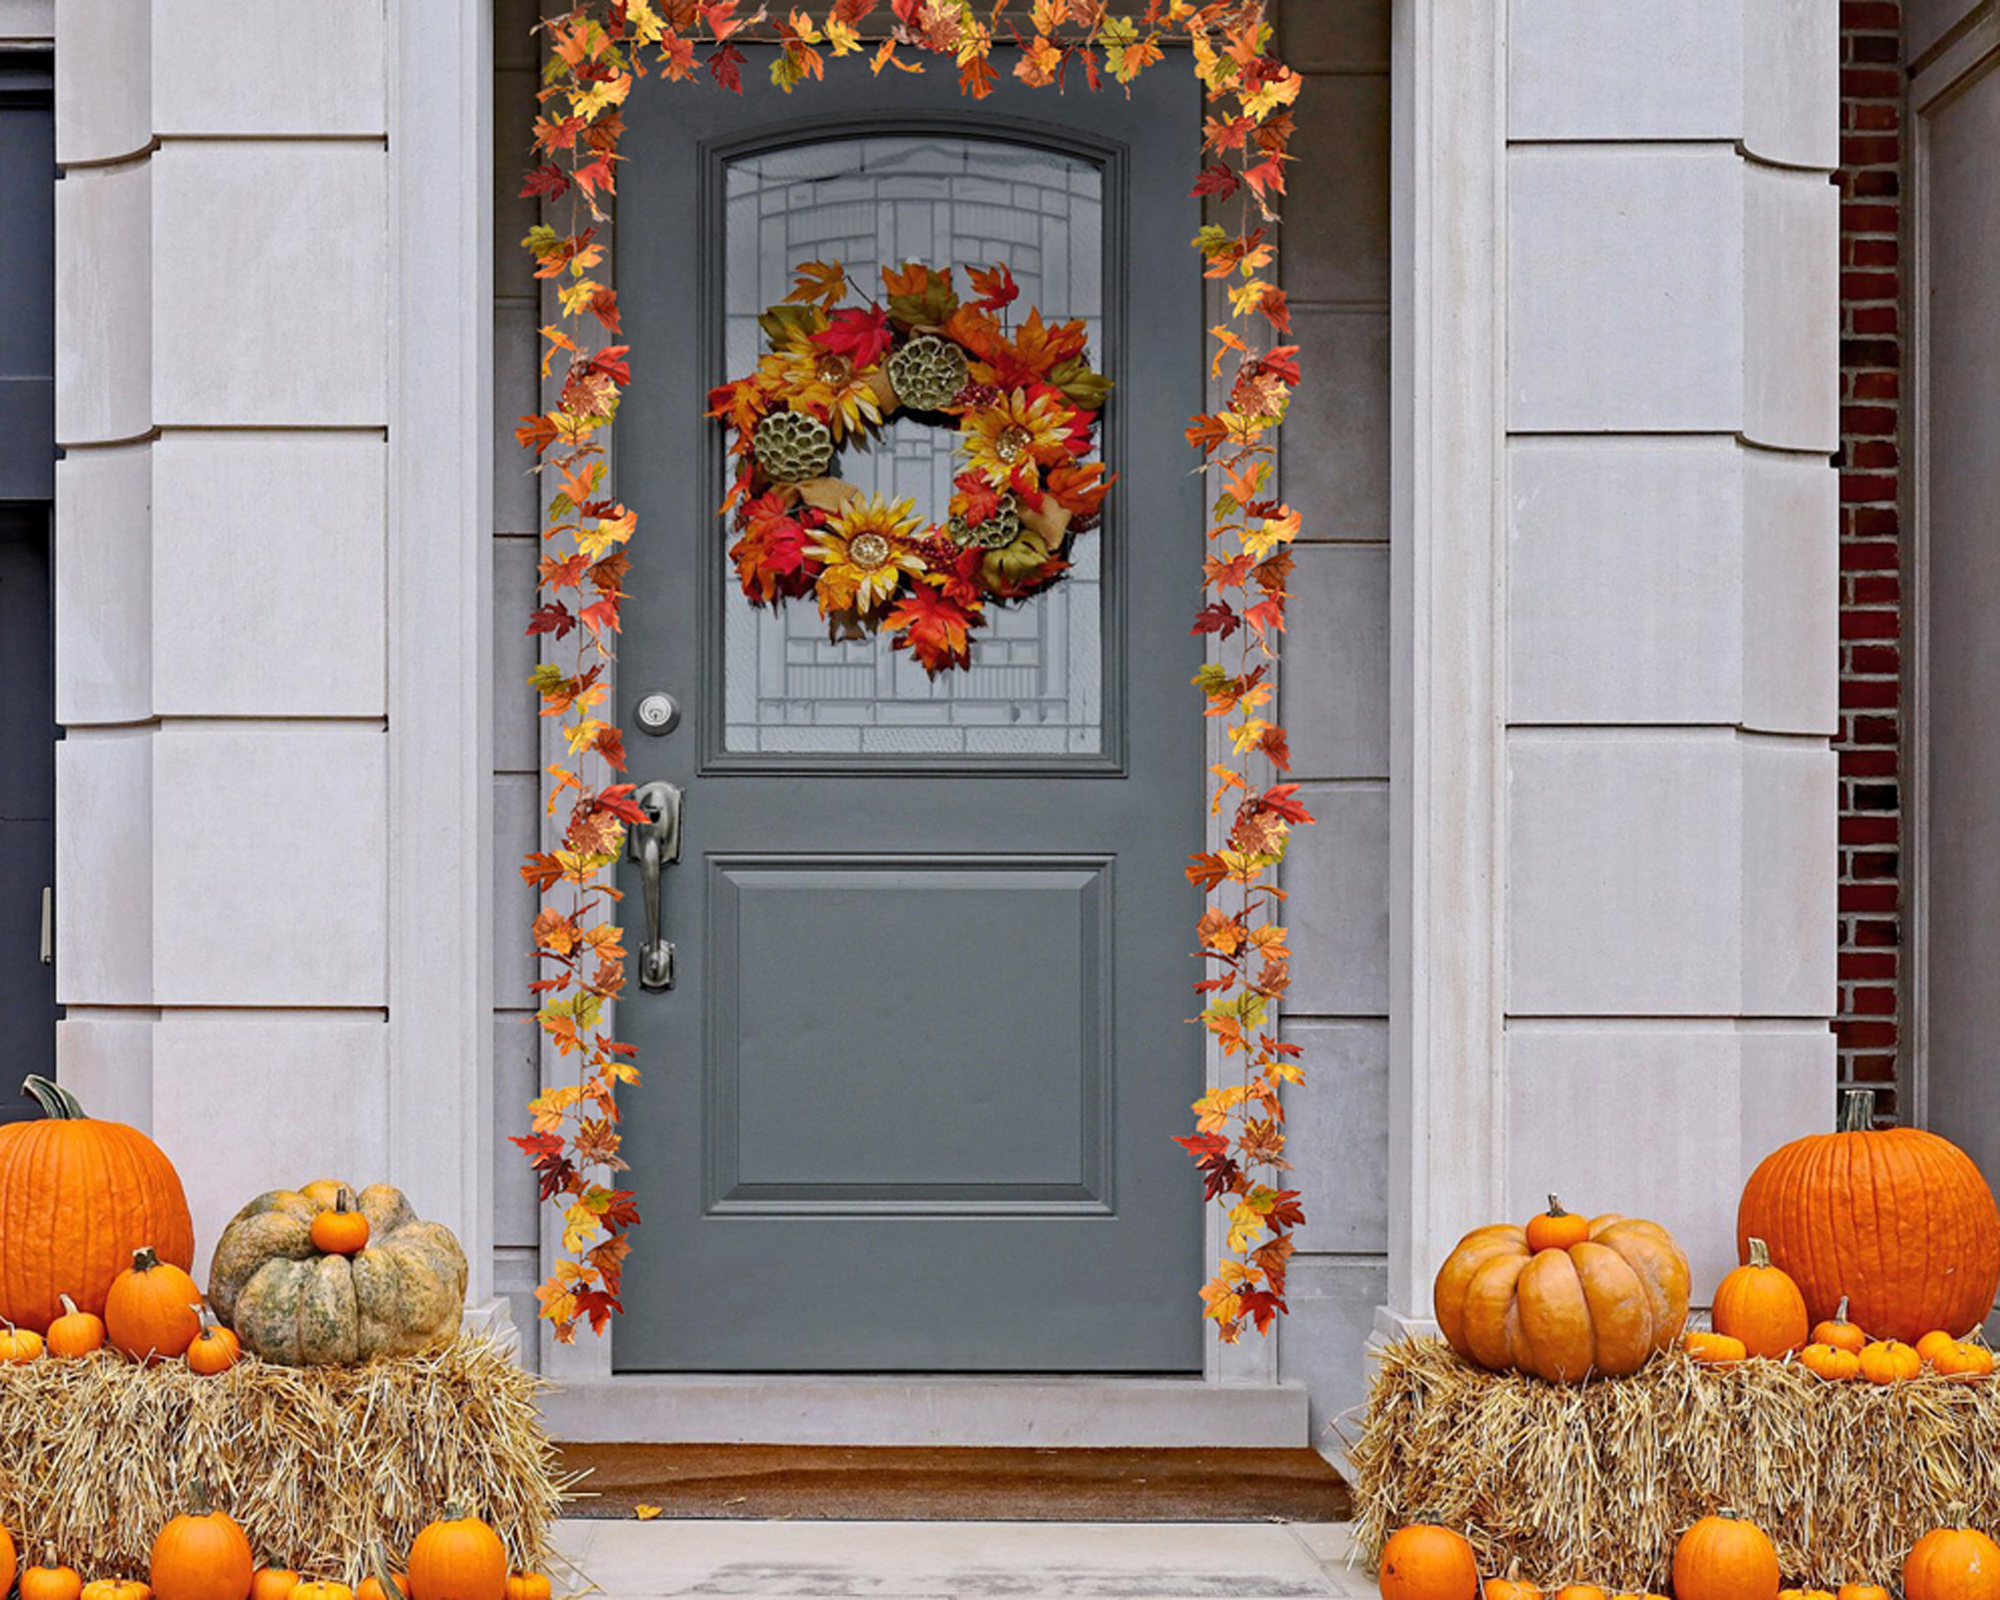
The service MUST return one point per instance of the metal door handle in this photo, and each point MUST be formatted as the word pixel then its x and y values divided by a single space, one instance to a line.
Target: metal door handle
pixel 654 845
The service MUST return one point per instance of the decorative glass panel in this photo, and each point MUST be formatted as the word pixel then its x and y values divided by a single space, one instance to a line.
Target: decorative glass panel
pixel 1036 684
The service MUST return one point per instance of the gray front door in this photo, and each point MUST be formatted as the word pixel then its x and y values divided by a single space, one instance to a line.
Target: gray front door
pixel 909 1104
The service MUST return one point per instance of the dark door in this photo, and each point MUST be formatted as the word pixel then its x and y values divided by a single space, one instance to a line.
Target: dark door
pixel 27 484
pixel 909 1104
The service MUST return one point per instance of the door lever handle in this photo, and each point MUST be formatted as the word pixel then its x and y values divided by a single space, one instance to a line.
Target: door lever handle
pixel 654 845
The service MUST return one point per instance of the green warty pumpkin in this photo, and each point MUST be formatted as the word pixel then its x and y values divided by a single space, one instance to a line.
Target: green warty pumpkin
pixel 290 1304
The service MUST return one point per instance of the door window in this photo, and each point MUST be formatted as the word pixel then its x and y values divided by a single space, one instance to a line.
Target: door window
pixel 1036 687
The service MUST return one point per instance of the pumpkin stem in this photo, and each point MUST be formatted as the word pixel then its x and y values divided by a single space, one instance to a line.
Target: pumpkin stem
pixel 344 1200
pixel 68 1305
pixel 1760 1254
pixel 454 1510
pixel 1840 1311
pixel 1857 1111
pixel 198 1502
pixel 56 1102
pixel 145 1258
pixel 1556 1207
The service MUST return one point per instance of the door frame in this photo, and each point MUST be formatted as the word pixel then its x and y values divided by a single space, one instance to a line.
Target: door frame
pixel 1239 1393
pixel 1933 86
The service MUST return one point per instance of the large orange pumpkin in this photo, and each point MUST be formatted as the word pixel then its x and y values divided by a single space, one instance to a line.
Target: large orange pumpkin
pixel 77 1197
pixel 202 1555
pixel 1725 1558
pixel 1897 1219
pixel 1422 1562
pixel 458 1558
pixel 1602 1306
pixel 1952 1563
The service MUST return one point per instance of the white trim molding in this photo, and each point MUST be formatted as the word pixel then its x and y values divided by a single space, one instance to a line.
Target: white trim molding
pixel 440 912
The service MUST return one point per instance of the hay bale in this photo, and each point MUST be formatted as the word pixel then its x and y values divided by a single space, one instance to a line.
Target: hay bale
pixel 316 1463
pixel 1593 1482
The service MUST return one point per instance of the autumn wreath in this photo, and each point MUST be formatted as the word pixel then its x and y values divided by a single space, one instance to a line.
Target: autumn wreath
pixel 1023 400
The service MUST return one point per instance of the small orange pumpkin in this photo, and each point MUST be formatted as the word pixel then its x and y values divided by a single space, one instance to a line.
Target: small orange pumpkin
pixel 1839 1332
pixel 51 1583
pixel 1890 1361
pixel 116 1589
pixel 8 1558
pixel 75 1333
pixel 1725 1558
pixel 1510 1587
pixel 1557 1229
pixel 214 1349
pixel 1953 1563
pixel 527 1586
pixel 1713 1349
pixel 460 1558
pixel 1760 1305
pixel 341 1231
pixel 273 1583
pixel 1862 1591
pixel 202 1554
pixel 1581 1591
pixel 1805 1594
pixel 1426 1562
pixel 1830 1362
pixel 1964 1359
pixel 322 1589
pixel 18 1345
pixel 149 1313
pixel 384 1581
pixel 1934 1341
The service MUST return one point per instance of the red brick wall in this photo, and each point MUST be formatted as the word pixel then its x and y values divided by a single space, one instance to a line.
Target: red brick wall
pixel 1871 362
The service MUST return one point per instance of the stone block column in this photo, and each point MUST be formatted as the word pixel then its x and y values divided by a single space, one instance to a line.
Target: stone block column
pixel 1615 591
pixel 248 611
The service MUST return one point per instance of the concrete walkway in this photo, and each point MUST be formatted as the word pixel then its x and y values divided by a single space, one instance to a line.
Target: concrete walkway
pixel 966 1560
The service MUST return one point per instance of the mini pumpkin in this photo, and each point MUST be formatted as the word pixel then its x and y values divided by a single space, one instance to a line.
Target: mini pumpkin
pixel 1760 1305
pixel 8 1558
pixel 116 1589
pixel 1723 1557
pixel 1425 1562
pixel 1713 1349
pixel 1890 1361
pixel 202 1554
pixel 1830 1362
pixel 1509 1588
pixel 1805 1594
pixel 150 1313
pixel 341 1230
pixel 18 1345
pixel 322 1589
pixel 1934 1341
pixel 1961 1358
pixel 1581 1591
pixel 383 1581
pixel 214 1349
pixel 458 1557
pixel 1837 1331
pixel 51 1583
pixel 273 1583
pixel 75 1333
pixel 1604 1306
pixel 1557 1229
pixel 1953 1563
pixel 528 1586
pixel 1863 1591
pixel 292 1304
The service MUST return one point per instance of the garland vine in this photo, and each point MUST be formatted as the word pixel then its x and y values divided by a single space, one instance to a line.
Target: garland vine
pixel 599 50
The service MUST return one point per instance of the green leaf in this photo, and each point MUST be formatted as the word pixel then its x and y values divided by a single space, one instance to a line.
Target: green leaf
pixel 1077 382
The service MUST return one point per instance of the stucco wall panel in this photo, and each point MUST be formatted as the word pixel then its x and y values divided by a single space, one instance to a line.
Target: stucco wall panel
pixel 271 842
pixel 318 67
pixel 1337 1127
pixel 104 108
pixel 1338 197
pixel 232 1085
pixel 268 584
pixel 1791 52
pixel 1791 594
pixel 105 1059
pixel 1580 69
pixel 1334 691
pixel 1335 443
pixel 104 309
pixel 1791 359
pixel 270 285
pixel 1337 874
pixel 104 867
pixel 1791 806
pixel 103 586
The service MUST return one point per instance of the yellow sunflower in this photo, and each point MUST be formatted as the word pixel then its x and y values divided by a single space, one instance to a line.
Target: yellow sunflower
pixel 1010 441
pixel 865 551
pixel 824 382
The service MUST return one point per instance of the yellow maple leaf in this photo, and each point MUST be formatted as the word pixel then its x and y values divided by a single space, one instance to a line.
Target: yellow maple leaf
pixel 609 531
pixel 580 1226
pixel 843 38
pixel 645 1512
pixel 1271 532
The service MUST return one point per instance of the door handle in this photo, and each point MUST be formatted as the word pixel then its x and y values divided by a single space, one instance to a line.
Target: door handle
pixel 654 845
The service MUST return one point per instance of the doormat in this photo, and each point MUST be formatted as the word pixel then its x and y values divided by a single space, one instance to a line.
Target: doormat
pixel 885 1484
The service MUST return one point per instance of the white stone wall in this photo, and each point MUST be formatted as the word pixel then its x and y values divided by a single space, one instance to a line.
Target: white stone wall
pixel 1654 271
pixel 226 381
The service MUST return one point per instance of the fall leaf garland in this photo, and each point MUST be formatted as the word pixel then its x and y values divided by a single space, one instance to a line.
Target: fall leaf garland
pixel 599 50
pixel 1024 403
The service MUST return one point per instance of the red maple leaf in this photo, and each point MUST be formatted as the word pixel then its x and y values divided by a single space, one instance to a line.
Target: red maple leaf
pixel 933 627
pixel 1220 180
pixel 995 288
pixel 725 66
pixel 555 619
pixel 861 335
pixel 1215 617
pixel 1283 799
pixel 548 181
